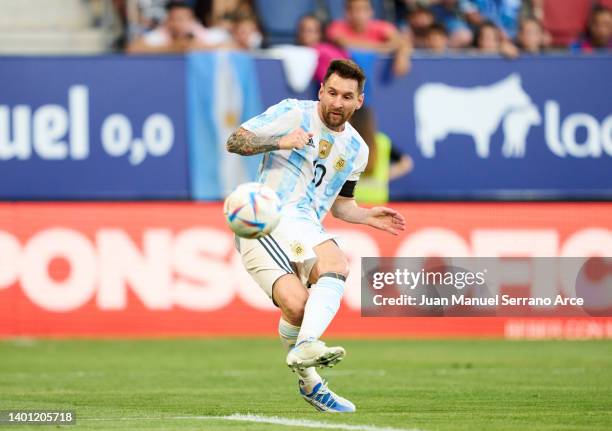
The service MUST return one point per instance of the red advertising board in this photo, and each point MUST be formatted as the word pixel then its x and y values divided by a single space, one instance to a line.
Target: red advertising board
pixel 149 269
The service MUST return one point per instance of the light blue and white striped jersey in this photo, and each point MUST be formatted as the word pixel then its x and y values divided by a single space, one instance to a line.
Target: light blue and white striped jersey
pixel 308 180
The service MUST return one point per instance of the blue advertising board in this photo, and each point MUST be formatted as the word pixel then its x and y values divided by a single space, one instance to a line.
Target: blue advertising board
pixel 109 127
pixel 116 127
pixel 481 128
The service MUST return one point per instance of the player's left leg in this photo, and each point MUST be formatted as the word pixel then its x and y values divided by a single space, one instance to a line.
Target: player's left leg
pixel 312 387
pixel 308 377
pixel 290 296
pixel 327 280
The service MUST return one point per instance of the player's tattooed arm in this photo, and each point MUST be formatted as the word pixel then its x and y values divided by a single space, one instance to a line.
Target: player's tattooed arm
pixel 247 143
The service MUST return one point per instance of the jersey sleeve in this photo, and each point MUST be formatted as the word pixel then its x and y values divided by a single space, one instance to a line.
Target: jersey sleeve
pixel 277 120
pixel 360 162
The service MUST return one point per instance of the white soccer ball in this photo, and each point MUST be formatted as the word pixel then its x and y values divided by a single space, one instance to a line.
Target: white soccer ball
pixel 252 210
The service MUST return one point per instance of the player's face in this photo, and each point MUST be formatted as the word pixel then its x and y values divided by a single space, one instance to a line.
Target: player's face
pixel 339 98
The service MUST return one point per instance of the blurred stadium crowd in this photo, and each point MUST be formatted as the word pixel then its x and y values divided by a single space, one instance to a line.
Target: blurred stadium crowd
pixel 507 27
pixel 346 28
pixel 331 27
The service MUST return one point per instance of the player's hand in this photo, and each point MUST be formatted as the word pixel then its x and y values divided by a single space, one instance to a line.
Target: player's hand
pixel 296 139
pixel 386 219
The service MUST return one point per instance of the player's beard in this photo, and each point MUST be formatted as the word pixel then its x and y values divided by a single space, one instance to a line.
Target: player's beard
pixel 335 121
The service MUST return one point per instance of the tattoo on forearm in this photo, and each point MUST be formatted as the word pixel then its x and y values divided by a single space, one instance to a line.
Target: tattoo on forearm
pixel 246 143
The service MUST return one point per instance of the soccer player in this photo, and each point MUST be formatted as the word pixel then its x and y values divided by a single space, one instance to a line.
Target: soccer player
pixel 313 159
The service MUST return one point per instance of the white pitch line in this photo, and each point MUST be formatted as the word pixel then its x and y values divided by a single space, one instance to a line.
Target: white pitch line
pixel 275 420
pixel 295 422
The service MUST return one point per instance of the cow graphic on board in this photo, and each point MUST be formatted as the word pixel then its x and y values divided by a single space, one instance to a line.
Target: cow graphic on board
pixel 477 111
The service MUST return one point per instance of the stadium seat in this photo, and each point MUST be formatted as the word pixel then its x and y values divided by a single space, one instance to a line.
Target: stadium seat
pixel 49 27
pixel 279 18
pixel 566 19
pixel 335 8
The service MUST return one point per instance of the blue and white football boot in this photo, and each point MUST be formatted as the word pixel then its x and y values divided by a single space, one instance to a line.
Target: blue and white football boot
pixel 314 353
pixel 325 400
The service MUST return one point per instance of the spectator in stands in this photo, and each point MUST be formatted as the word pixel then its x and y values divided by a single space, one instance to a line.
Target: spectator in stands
pixel 385 161
pixel 360 31
pixel 419 20
pixel 310 34
pixel 490 40
pixel 402 7
pixel 448 13
pixel 245 31
pixel 563 20
pixel 531 37
pixel 121 11
pixel 180 32
pixel 151 13
pixel 504 14
pixel 141 16
pixel 217 13
pixel 437 39
pixel 599 33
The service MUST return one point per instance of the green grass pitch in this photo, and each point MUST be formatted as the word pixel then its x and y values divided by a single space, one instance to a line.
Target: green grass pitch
pixel 456 385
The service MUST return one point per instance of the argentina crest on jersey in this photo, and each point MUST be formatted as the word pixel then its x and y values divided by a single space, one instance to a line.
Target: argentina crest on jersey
pixel 339 163
pixel 325 148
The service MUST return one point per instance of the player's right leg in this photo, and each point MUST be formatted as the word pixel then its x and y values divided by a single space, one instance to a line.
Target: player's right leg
pixel 290 296
pixel 268 263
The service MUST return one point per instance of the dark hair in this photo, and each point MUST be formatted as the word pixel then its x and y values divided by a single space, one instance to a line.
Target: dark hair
pixel 347 3
pixel 521 26
pixel 308 16
pixel 346 69
pixel 437 28
pixel 240 17
pixel 419 8
pixel 298 27
pixel 480 28
pixel 530 18
pixel 600 8
pixel 176 4
pixel 489 24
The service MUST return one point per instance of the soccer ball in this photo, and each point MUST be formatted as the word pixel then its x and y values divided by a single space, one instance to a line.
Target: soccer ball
pixel 252 210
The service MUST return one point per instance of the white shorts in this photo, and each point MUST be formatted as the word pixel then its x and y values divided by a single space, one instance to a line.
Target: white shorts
pixel 288 249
